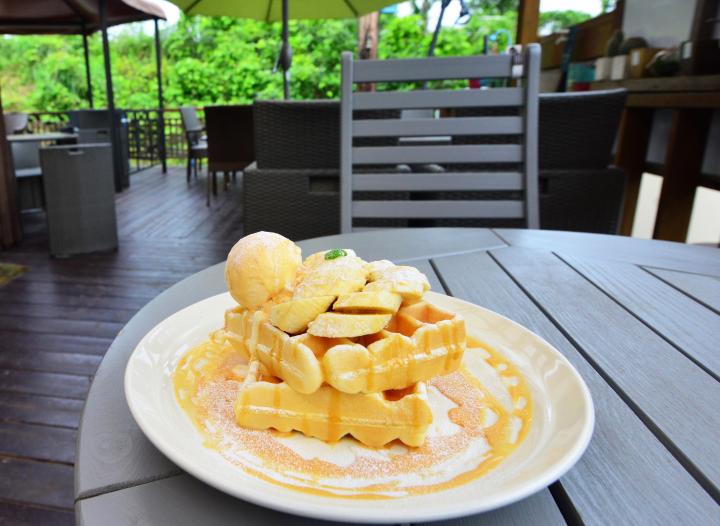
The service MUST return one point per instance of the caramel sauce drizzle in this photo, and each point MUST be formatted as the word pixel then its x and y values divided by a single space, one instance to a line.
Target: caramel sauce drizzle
pixel 213 361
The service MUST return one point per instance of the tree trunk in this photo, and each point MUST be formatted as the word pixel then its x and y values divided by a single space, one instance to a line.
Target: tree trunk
pixel 368 37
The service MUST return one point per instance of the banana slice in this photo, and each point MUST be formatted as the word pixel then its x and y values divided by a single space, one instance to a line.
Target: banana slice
pixel 331 277
pixel 409 282
pixel 293 316
pixel 336 325
pixel 380 301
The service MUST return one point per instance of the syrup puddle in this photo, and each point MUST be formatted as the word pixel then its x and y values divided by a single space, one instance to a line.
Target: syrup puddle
pixel 481 413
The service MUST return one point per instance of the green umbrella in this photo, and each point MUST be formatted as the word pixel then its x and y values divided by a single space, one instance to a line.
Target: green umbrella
pixel 274 10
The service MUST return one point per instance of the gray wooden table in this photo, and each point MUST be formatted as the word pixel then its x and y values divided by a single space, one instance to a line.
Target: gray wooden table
pixel 639 319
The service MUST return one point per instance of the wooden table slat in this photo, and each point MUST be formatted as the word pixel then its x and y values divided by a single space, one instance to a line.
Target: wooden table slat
pixel 705 289
pixel 164 502
pixel 609 485
pixel 408 244
pixel 661 254
pixel 641 364
pixel 687 324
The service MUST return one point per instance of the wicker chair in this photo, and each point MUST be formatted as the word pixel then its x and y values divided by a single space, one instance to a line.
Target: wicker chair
pixel 197 149
pixel 579 190
pixel 26 163
pixel 231 142
pixel 293 187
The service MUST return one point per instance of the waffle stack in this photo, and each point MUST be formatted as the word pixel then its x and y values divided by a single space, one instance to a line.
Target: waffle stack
pixel 342 347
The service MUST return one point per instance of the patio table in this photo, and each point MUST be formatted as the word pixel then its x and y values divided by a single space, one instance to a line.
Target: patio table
pixel 639 319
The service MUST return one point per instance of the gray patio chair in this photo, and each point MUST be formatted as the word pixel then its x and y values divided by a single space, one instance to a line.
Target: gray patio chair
pixel 26 163
pixel 197 148
pixel 507 171
pixel 579 189
pixel 293 188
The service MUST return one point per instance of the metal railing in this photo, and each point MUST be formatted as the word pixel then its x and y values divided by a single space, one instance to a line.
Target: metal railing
pixel 143 138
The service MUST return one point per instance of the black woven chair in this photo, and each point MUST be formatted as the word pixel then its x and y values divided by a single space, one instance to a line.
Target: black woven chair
pixel 293 188
pixel 230 142
pixel 579 188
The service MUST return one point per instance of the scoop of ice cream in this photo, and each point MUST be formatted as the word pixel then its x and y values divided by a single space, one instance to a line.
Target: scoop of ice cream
pixel 261 266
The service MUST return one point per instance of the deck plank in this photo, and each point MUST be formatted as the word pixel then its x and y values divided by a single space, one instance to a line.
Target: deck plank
pixel 33 409
pixel 41 483
pixel 50 362
pixel 22 515
pixel 48 384
pixel 604 486
pixel 60 316
pixel 54 444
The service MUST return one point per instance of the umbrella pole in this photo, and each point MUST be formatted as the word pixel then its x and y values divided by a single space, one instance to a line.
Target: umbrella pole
pixel 286 54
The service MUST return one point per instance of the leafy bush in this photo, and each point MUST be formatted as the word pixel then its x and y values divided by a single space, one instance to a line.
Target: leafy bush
pixel 215 60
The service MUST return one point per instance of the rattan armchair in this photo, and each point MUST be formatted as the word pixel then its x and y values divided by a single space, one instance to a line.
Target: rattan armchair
pixel 293 188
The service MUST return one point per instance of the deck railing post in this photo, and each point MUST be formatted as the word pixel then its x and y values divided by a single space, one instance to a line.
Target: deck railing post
pixel 160 116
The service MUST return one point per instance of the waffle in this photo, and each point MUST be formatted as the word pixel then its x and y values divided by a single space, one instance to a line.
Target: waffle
pixel 373 419
pixel 419 342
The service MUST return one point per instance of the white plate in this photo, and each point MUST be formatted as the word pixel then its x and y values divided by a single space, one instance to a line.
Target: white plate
pixel 562 423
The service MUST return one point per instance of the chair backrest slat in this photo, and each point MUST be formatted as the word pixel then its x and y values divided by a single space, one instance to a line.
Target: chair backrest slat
pixel 429 127
pixel 486 153
pixel 438 98
pixel 407 70
pixel 494 179
pixel 430 209
pixel 460 181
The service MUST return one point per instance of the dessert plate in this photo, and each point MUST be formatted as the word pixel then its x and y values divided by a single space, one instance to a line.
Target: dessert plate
pixel 561 427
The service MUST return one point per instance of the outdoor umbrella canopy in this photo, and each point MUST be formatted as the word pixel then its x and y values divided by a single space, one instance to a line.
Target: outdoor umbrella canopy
pixel 275 10
pixel 71 17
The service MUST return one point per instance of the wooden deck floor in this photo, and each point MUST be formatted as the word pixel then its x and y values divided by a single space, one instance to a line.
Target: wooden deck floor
pixel 58 319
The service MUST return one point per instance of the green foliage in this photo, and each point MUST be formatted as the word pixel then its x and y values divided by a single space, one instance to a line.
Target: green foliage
pixel 220 60
pixel 554 21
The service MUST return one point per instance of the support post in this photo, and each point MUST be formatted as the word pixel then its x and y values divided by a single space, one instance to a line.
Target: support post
pixel 528 19
pixel 286 51
pixel 114 135
pixel 88 76
pixel 161 102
